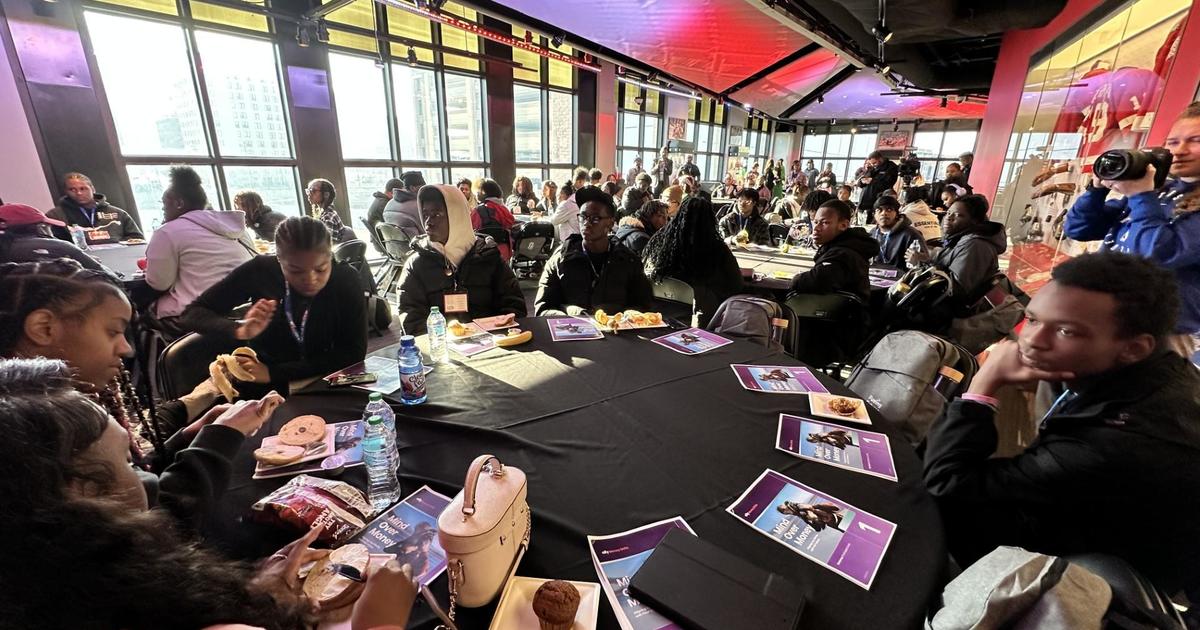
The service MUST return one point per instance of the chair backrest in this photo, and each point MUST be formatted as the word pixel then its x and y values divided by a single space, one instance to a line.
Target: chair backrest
pixel 498 234
pixel 675 290
pixel 352 252
pixel 183 364
pixel 754 319
pixel 829 326
pixel 375 242
pixel 778 232
pixel 905 376
pixel 396 243
pixel 531 247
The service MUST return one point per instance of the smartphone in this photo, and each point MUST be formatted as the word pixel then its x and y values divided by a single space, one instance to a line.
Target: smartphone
pixel 353 379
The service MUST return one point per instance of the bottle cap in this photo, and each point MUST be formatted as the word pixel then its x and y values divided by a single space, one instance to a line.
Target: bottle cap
pixel 434 309
pixel 375 420
pixel 375 396
pixel 407 340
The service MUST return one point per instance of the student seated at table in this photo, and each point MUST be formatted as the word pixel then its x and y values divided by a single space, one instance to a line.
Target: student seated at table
pixel 971 247
pixel 689 249
pixel 914 206
pixel 308 314
pixel 745 218
pixel 843 254
pixel 632 201
pixel 402 211
pixel 195 248
pixel 1115 467
pixel 522 200
pixel 25 237
pixel 492 217
pixel 453 268
pixel 636 230
pixel 78 519
pixel 79 316
pixel 83 206
pixel 321 194
pixel 592 271
pixel 895 233
pixel 259 217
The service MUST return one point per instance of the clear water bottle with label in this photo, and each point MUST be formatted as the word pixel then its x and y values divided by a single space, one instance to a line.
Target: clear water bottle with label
pixel 435 325
pixel 412 373
pixel 78 236
pixel 376 406
pixel 383 488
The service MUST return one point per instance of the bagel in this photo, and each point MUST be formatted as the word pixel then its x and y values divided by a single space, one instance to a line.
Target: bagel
pixel 328 588
pixel 279 454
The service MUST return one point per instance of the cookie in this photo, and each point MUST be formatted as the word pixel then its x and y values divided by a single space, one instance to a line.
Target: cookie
pixel 302 430
pixel 279 454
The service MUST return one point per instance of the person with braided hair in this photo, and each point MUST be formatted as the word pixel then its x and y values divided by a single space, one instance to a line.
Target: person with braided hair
pixel 320 194
pixel 689 248
pixel 79 316
pixel 308 314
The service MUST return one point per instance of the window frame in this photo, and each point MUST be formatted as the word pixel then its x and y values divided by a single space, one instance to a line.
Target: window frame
pixel 545 88
pixel 640 114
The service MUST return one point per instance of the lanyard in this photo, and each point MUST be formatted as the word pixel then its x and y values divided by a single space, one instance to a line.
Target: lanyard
pixel 91 216
pixel 298 333
pixel 1062 398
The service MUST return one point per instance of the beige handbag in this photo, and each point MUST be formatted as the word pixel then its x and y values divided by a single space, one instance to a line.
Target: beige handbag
pixel 485 532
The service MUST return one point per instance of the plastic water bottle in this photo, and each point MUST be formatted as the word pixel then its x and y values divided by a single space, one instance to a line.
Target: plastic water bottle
pixel 78 236
pixel 383 489
pixel 412 373
pixel 377 407
pixel 436 327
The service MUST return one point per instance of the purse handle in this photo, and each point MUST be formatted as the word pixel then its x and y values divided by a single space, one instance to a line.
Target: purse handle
pixel 469 486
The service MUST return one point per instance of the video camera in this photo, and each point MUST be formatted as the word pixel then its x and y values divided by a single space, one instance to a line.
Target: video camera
pixel 1120 164
pixel 910 167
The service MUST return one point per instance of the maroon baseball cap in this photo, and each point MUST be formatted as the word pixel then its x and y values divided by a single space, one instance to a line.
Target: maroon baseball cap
pixel 16 214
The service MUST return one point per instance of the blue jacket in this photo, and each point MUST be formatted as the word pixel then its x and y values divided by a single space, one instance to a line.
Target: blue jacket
pixel 1146 224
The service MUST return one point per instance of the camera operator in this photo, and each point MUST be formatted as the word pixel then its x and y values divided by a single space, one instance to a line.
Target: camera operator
pixel 881 176
pixel 1157 222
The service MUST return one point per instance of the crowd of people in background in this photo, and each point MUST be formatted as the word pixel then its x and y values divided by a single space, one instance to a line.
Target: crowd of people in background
pixel 1111 326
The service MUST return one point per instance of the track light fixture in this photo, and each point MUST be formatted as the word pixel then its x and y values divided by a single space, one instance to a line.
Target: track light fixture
pixel 853 128
pixel 943 101
pixel 884 67
pixel 528 37
pixel 557 40
pixel 821 98
pixel 412 56
pixel 620 71
pixel 303 37
pixel 652 77
pixel 322 32
pixel 833 122
pixel 882 32
pixel 895 124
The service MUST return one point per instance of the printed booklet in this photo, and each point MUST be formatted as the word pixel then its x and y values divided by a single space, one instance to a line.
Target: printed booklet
pixel 778 379
pixel 409 531
pixel 572 329
pixel 692 341
pixel 853 449
pixel 618 557
pixel 830 532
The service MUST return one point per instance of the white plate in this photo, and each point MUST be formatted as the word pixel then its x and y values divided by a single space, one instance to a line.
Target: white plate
pixel 515 611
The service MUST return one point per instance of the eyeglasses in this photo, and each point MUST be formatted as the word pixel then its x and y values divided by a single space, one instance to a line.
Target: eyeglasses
pixel 593 219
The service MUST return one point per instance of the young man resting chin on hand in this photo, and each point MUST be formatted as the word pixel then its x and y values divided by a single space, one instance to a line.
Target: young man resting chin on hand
pixel 1115 467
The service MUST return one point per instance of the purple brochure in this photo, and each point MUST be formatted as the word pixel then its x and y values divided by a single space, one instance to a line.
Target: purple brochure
pixel 778 379
pixel 882 283
pixel 618 557
pixel 853 449
pixel 470 346
pixel 409 529
pixel 692 341
pixel 830 532
pixel 572 329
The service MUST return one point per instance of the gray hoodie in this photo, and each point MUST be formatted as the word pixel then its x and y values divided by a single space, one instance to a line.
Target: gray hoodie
pixel 191 253
pixel 404 212
pixel 972 258
pixel 923 219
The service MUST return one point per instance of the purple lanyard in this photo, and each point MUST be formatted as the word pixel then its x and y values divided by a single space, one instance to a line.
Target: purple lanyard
pixel 298 333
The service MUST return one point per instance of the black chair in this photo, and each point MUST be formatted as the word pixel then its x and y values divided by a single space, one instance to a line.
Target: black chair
pixel 396 246
pixel 532 244
pixel 778 232
pixel 183 364
pixel 375 242
pixel 675 299
pixel 354 254
pixel 829 328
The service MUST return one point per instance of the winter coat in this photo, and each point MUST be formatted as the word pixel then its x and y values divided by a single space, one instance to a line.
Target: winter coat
pixel 923 218
pixel 1116 455
pixel 632 234
pixel 1147 224
pixel 517 203
pixel 893 246
pixel 265 223
pixel 116 224
pixel 569 285
pixel 883 177
pixel 191 253
pixel 972 259
pixel 840 265
pixel 755 225
pixel 403 212
pixel 491 287
pixel 379 202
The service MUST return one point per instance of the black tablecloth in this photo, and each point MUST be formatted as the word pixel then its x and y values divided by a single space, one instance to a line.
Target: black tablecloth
pixel 122 259
pixel 617 433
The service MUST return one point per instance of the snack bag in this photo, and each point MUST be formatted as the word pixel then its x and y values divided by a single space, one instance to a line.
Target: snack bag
pixel 341 509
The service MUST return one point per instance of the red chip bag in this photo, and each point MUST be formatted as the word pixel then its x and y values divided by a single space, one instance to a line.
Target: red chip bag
pixel 304 502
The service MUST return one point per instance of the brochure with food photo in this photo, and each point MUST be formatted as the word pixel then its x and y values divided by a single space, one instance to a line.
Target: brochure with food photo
pixel 830 532
pixel 692 341
pixel 866 452
pixel 618 557
pixel 409 531
pixel 778 379
pixel 845 408
pixel 471 346
pixel 341 448
pixel 572 329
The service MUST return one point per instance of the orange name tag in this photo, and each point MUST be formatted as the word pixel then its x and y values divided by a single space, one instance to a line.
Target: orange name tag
pixel 97 235
pixel 455 302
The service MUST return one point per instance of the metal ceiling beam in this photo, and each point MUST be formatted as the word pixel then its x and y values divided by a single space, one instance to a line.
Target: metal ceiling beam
pixel 321 11
pixel 820 90
pixel 765 72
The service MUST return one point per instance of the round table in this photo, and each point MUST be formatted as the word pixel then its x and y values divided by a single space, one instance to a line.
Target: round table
pixel 122 259
pixel 614 434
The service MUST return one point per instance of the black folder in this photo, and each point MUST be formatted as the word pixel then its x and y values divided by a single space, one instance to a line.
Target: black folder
pixel 701 586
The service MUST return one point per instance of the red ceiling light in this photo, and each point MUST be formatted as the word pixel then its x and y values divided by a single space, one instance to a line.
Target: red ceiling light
pixel 475 29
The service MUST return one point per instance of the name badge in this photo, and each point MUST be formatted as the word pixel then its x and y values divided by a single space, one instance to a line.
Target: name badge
pixel 97 235
pixel 455 302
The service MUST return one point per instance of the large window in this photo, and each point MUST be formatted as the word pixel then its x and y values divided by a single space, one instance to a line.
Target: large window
pixel 846 146
pixel 234 131
pixel 362 121
pixel 640 126
pixel 544 117
pixel 706 131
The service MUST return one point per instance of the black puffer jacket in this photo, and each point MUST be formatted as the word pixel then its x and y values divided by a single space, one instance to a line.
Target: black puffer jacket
pixel 265 222
pixel 633 234
pixel 1115 468
pixel 972 258
pixel 756 227
pixel 121 225
pixel 569 286
pixel 893 246
pixel 840 265
pixel 883 177
pixel 491 287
